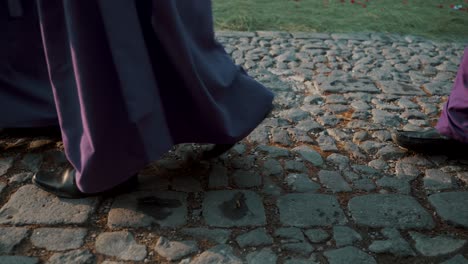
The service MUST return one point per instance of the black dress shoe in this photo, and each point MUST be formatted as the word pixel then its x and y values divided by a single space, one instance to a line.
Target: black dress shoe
pixel 429 142
pixel 63 184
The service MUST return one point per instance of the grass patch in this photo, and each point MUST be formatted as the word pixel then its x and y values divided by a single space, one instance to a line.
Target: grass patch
pixel 429 18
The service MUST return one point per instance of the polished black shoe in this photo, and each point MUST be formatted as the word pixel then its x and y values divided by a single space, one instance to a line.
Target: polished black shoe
pixel 63 184
pixel 429 142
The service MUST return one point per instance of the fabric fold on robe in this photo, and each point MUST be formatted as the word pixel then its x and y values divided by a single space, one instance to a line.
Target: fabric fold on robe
pixel 453 121
pixel 132 78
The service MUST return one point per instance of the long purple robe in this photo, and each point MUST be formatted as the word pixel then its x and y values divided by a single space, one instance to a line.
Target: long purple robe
pixel 453 121
pixel 125 79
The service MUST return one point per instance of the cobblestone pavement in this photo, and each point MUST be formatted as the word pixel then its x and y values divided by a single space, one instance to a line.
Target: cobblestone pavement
pixel 319 181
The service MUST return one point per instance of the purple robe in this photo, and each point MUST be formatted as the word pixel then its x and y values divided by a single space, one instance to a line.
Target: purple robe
pixel 453 121
pixel 125 80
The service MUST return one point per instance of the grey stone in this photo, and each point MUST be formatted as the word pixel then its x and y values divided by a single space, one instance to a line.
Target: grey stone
pixel 259 135
pixel 353 150
pixel 389 210
pixel 58 239
pixel 458 259
pixel 301 183
pixel 378 164
pixel 300 136
pixel 235 34
pixel 308 210
pixel 220 236
pixel 390 153
pixel 436 180
pixel 272 167
pixel 328 120
pixel 175 250
pixel 264 256
pixel 218 176
pixel 360 106
pixel 334 181
pixel 451 207
pixel 11 237
pixel 348 255
pixel 38 143
pixel 30 205
pixel 406 169
pixel 2 187
pixel 294 115
pixel 218 254
pixel 399 88
pixel 366 171
pixel 254 238
pixel 395 244
pixel 345 236
pixel 280 136
pixel 32 161
pixel 309 155
pixel 413 114
pixel 436 246
pixel 351 36
pixel 360 136
pixel 243 162
pixel 462 176
pixel 344 86
pixel 340 160
pixel 21 177
pixel 317 235
pixel 78 256
pixel 371 147
pixel 143 209
pixel 233 208
pixel 299 261
pixel 382 135
pixel 238 149
pixel 336 108
pixel 438 88
pixel 246 179
pixel 402 184
pixel 336 99
pixel 310 35
pixel 301 248
pixel 5 165
pixel 295 166
pixel 290 235
pixel 385 118
pixel 18 260
pixel 313 99
pixel 309 126
pixel 120 244
pixel 327 143
pixel 270 187
pixel 274 152
pixel 364 184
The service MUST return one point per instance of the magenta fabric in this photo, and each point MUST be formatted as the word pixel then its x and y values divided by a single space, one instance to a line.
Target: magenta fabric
pixel 129 79
pixel 453 121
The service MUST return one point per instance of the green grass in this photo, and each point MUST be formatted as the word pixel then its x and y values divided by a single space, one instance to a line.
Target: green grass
pixel 416 17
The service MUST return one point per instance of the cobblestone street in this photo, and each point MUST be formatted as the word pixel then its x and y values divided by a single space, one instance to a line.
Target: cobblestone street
pixel 319 181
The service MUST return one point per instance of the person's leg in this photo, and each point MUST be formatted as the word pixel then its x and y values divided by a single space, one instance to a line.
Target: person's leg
pixel 450 135
pixel 130 84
